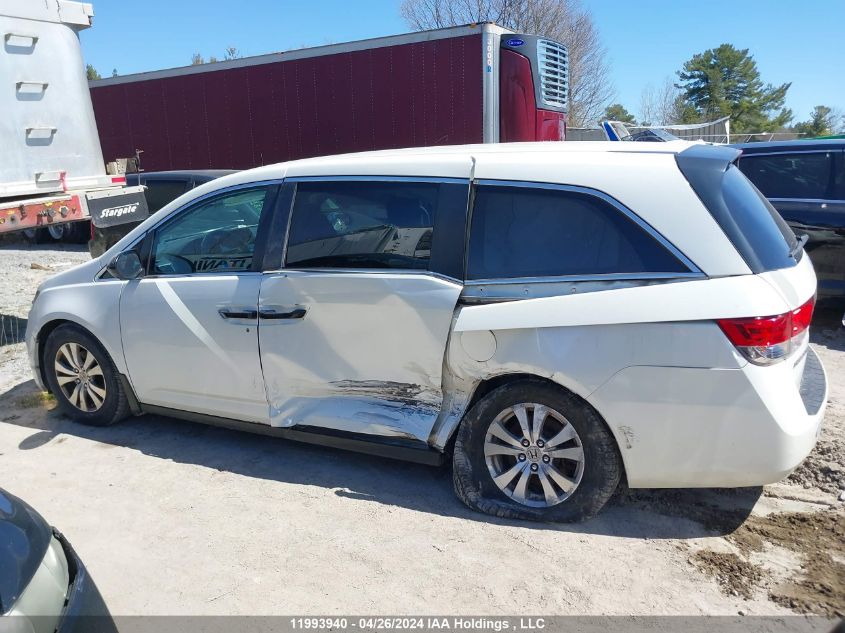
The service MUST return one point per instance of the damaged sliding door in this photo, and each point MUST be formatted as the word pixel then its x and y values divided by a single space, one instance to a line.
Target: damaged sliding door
pixel 353 329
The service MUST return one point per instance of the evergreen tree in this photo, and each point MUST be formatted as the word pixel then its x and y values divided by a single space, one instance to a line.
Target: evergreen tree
pixel 725 81
pixel 617 112
pixel 822 122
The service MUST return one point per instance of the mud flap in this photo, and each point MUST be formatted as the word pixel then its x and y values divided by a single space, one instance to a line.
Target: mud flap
pixel 114 207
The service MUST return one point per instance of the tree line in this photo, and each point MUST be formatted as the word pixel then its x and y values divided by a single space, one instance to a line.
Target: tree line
pixel 725 81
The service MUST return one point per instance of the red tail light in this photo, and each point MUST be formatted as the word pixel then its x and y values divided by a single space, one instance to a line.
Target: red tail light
pixel 802 316
pixel 757 330
pixel 118 180
pixel 765 340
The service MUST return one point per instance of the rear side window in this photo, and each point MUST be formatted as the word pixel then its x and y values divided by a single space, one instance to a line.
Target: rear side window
pixel 534 232
pixel 352 224
pixel 799 175
pixel 751 223
pixel 162 192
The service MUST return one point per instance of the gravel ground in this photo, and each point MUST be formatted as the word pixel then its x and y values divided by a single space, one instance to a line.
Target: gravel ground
pixel 177 518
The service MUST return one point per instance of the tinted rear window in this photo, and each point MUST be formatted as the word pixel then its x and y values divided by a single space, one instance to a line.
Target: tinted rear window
pixel 750 222
pixel 801 175
pixel 535 232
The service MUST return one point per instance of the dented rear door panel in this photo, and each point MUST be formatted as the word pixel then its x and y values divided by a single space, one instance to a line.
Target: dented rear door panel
pixel 360 352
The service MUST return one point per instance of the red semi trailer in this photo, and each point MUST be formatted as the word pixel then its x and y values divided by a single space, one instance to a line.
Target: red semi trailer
pixel 466 84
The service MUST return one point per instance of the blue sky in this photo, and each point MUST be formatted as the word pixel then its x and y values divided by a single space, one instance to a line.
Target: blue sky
pixel 646 40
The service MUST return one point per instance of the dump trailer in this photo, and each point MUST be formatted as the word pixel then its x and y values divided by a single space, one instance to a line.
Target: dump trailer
pixel 466 84
pixel 51 163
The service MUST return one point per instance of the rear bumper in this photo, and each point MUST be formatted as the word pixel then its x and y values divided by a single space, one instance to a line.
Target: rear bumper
pixel 85 610
pixel 681 427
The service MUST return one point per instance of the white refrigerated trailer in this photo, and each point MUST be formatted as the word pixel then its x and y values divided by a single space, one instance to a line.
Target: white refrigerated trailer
pixel 51 164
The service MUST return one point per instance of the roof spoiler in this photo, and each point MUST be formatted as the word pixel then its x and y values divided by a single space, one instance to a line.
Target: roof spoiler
pixel 706 157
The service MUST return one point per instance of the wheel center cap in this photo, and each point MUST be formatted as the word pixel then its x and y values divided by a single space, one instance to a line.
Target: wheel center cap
pixel 534 454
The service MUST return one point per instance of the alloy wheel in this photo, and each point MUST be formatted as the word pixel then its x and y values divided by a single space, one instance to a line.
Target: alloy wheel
pixel 80 377
pixel 534 455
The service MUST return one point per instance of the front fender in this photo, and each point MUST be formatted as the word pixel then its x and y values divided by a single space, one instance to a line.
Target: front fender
pixel 92 305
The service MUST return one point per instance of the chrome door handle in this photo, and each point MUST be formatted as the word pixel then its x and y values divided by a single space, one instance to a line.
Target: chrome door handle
pixel 238 313
pixel 296 313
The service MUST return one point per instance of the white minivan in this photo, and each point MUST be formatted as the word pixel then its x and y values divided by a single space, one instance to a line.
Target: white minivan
pixel 554 316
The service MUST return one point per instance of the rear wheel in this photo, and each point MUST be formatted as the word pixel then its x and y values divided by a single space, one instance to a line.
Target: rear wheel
pixel 83 378
pixel 529 450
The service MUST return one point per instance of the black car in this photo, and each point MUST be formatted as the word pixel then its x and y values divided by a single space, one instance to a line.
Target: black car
pixel 805 181
pixel 162 187
pixel 44 587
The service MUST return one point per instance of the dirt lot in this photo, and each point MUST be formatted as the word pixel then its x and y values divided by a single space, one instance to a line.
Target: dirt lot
pixel 177 518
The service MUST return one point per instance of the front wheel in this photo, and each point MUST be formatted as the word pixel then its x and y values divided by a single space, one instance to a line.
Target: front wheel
pixel 83 378
pixel 529 450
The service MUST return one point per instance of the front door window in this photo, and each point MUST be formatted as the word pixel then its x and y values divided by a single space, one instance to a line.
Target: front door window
pixel 216 236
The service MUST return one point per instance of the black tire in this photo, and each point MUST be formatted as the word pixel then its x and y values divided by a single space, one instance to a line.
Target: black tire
pixel 114 406
pixel 36 236
pixel 58 232
pixel 602 464
pixel 68 232
pixel 77 232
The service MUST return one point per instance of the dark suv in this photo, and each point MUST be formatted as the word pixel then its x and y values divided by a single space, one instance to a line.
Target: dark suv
pixel 162 188
pixel 805 182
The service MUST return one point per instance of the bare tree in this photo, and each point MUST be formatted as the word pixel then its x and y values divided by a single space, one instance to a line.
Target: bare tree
pixel 648 106
pixel 659 106
pixel 837 120
pixel 197 59
pixel 232 53
pixel 567 21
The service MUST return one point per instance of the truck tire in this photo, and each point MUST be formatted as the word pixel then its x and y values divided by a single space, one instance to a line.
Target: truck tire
pixel 83 378
pixel 58 232
pixel 35 236
pixel 530 450
pixel 78 232
pixel 67 232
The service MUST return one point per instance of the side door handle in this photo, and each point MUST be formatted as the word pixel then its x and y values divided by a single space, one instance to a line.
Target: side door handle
pixel 238 313
pixel 273 315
